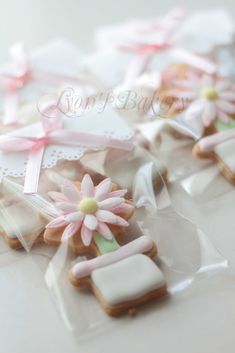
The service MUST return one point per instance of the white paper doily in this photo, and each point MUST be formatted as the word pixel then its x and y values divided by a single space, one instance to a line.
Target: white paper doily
pixel 107 123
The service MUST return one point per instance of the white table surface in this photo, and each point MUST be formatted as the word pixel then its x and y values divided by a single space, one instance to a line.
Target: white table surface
pixel 199 319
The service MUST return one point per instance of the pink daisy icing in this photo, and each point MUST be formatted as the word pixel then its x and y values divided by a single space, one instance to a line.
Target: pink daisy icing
pixel 207 98
pixel 89 208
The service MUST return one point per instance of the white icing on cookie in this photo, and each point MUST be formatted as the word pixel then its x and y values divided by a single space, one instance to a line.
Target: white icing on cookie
pixel 18 218
pixel 128 279
pixel 138 246
pixel 226 152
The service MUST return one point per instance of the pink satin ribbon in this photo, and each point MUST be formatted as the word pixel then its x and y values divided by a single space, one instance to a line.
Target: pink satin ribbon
pixel 53 133
pixel 11 84
pixel 165 29
pixel 168 28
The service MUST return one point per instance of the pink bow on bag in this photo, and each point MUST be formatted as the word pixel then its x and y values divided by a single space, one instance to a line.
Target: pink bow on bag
pixel 12 83
pixel 23 73
pixel 165 37
pixel 51 132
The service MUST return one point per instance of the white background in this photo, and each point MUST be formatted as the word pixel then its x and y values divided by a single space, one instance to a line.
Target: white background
pixel 38 21
pixel 200 319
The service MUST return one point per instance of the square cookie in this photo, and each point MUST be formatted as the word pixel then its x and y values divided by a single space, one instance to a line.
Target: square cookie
pixel 128 280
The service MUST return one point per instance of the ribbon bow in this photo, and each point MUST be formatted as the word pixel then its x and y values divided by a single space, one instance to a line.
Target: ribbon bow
pixel 165 32
pixel 51 132
pixel 22 73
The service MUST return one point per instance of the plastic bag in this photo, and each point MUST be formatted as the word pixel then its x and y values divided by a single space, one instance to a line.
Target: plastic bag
pixel 184 255
pixel 16 207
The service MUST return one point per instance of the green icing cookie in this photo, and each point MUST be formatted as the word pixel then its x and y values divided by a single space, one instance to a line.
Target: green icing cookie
pixel 105 245
pixel 220 126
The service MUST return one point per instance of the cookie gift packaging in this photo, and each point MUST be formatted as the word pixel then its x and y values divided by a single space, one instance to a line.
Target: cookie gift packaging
pixel 39 155
pixel 216 145
pixel 99 216
pixel 207 107
pixel 216 177
pixel 220 148
pixel 170 84
pixel 85 186
pixel 123 249
pixel 107 234
pixel 29 75
pixel 146 45
pixel 139 44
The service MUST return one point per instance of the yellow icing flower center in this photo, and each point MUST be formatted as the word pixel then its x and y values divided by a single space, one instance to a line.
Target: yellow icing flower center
pixel 209 92
pixel 88 206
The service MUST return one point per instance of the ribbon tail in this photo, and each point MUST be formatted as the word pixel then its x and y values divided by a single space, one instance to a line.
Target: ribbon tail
pixel 33 171
pixel 20 58
pixel 11 108
pixel 194 60
pixel 125 145
pixel 137 66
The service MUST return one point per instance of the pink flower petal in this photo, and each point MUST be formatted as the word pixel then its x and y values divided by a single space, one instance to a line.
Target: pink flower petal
pixel 207 80
pixel 104 230
pixel 190 84
pixel 66 206
pixel 209 113
pixel 106 216
pixel 86 235
pixel 124 207
pixel 117 193
pixel 182 84
pixel 71 191
pixel 57 196
pixel 57 223
pixel 110 203
pixel 69 231
pixel 52 210
pixel 227 95
pixel 90 222
pixel 74 217
pixel 222 85
pixel 179 105
pixel 224 117
pixel 87 186
pixel 193 77
pixel 226 106
pixel 183 94
pixel 121 222
pixel 103 189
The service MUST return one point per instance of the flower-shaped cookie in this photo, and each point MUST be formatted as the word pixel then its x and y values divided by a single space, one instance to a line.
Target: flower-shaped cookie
pixel 206 98
pixel 86 209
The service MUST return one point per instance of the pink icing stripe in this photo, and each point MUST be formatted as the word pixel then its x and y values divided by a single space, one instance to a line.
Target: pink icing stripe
pixel 207 144
pixel 85 268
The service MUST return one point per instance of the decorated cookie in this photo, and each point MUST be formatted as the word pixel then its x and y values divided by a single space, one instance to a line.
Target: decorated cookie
pixel 85 211
pixel 207 99
pixel 28 76
pixel 221 126
pixel 219 147
pixel 15 226
pixel 91 218
pixel 122 278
